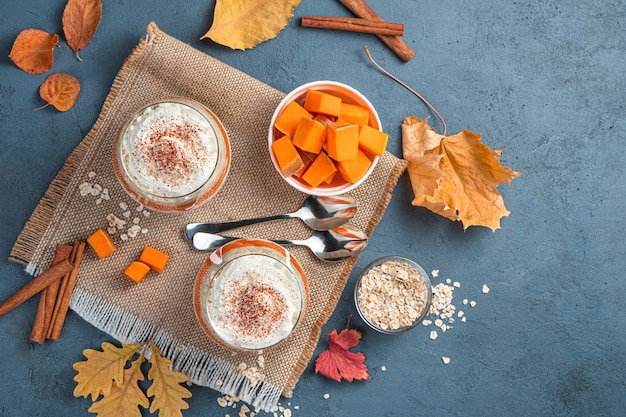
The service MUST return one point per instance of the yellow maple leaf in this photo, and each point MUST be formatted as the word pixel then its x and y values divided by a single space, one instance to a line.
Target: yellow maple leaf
pixel 123 400
pixel 455 176
pixel 243 24
pixel 96 374
pixel 168 395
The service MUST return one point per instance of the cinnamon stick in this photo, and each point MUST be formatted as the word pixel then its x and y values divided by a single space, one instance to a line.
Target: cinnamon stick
pixel 47 299
pixel 54 273
pixel 395 43
pixel 353 25
pixel 65 294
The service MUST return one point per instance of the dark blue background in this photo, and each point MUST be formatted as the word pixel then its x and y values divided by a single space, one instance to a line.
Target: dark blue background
pixel 543 80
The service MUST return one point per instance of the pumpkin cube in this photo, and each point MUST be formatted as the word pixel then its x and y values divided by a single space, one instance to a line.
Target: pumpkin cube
pixel 287 156
pixel 288 120
pixel 342 141
pixel 154 258
pixel 373 140
pixel 320 102
pixel 310 135
pixel 101 243
pixel 320 169
pixel 353 113
pixel 353 170
pixel 137 271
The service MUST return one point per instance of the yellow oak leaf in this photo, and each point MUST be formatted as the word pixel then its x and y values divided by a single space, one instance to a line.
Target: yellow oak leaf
pixel 455 176
pixel 96 375
pixel 243 24
pixel 168 395
pixel 124 400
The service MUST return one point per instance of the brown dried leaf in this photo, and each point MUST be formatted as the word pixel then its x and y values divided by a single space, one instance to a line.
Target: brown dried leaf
pixel 243 24
pixel 124 400
pixel 80 21
pixel 61 90
pixel 455 176
pixel 102 369
pixel 33 51
pixel 168 396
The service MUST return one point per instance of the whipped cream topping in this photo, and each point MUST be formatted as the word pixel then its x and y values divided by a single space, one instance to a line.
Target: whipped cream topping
pixel 254 302
pixel 170 149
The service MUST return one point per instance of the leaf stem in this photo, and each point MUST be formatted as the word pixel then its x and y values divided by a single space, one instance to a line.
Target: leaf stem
pixel 42 107
pixel 430 106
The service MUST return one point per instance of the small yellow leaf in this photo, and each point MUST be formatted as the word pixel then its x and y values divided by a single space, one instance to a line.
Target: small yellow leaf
pixel 168 395
pixel 96 374
pixel 243 24
pixel 124 400
pixel 470 171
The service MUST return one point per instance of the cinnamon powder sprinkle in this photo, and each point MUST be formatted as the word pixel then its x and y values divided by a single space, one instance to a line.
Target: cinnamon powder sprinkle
pixel 254 308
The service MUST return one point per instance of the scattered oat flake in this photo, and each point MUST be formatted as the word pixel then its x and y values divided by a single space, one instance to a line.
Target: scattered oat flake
pixel 326 396
pixel 445 359
pixel 433 335
pixel 485 289
pixel 456 284
pixel 464 319
pixel 435 273
pixel 472 303
pixel 383 368
pixel 465 301
pixel 448 281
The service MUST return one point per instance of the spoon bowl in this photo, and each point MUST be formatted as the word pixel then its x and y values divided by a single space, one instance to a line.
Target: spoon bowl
pixel 333 245
pixel 317 212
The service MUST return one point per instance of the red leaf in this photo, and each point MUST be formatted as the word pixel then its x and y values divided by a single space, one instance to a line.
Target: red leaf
pixel 337 363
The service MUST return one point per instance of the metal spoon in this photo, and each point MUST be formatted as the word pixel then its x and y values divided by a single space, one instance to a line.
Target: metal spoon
pixel 340 243
pixel 318 212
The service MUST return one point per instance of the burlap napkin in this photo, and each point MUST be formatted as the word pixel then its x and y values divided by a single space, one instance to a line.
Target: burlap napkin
pixel 163 66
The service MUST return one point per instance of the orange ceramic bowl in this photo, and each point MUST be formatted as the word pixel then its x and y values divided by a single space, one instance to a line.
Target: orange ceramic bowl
pixel 348 95
pixel 250 294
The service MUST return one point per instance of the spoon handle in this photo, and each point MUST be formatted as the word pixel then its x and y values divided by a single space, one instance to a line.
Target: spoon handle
pixel 193 228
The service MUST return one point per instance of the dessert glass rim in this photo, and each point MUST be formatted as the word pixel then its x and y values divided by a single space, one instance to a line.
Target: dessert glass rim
pixel 165 203
pixel 204 280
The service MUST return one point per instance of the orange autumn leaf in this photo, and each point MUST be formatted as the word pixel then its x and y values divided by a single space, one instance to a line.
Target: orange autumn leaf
pixel 455 176
pixel 33 51
pixel 61 90
pixel 80 21
pixel 243 24
pixel 337 363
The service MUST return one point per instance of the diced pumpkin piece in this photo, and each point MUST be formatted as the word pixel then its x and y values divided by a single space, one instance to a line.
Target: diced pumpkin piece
pixel 101 243
pixel 320 102
pixel 354 169
pixel 319 170
pixel 137 271
pixel 355 114
pixel 154 258
pixel 310 135
pixel 287 156
pixel 373 140
pixel 288 120
pixel 342 141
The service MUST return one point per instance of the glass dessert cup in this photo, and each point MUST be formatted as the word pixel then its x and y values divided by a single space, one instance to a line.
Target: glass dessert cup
pixel 250 295
pixel 172 155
